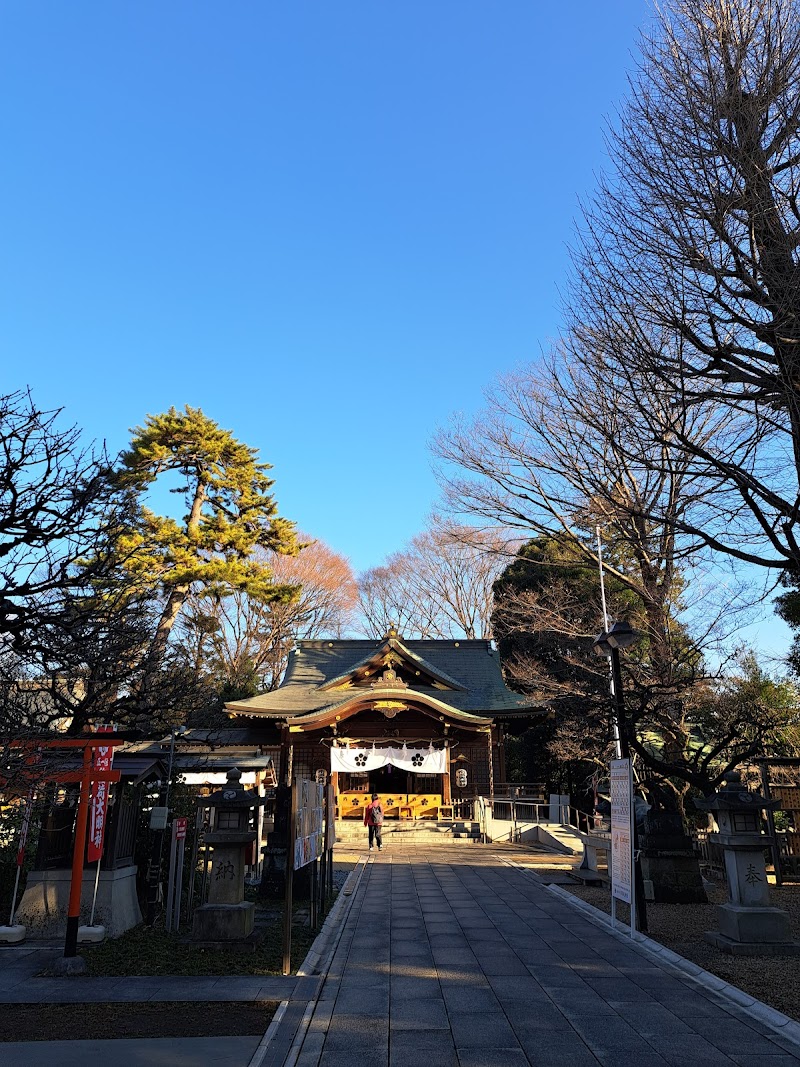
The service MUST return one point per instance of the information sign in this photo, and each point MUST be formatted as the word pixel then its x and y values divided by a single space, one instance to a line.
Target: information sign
pixel 309 835
pixel 621 839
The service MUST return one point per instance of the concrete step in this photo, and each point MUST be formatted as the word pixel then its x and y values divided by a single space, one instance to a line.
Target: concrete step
pixel 562 838
pixel 415 832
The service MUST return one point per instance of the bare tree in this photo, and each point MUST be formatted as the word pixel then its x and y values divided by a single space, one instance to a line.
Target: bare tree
pixel 688 266
pixel 440 586
pixel 245 641
pixel 54 497
pixel 557 454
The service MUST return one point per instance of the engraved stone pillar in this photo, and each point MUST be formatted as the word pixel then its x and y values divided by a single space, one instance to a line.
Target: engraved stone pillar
pixel 748 924
pixel 228 918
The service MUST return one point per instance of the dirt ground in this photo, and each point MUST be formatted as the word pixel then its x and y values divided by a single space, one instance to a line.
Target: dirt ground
pixel 80 1022
pixel 773 979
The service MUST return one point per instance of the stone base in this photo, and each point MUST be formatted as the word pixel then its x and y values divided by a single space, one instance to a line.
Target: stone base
pixel 751 925
pixel 43 908
pixel 91 935
pixel 12 935
pixel 66 966
pixel 223 922
pixel 750 948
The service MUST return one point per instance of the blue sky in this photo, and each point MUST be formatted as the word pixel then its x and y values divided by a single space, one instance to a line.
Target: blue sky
pixel 329 225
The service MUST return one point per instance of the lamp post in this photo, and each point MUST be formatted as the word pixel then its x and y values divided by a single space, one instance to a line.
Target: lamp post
pixel 608 643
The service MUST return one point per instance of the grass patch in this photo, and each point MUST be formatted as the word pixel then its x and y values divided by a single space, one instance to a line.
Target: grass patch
pixel 86 1022
pixel 146 951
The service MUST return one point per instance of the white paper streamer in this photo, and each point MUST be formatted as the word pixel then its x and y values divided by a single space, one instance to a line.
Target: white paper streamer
pixel 419 760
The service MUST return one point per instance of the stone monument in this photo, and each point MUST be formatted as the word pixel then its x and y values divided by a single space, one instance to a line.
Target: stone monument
pixel 748 924
pixel 670 868
pixel 227 919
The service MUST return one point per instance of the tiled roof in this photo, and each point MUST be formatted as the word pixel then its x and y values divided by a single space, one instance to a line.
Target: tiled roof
pixel 473 665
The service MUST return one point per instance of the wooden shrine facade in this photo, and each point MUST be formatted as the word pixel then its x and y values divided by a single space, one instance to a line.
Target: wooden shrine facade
pixel 418 722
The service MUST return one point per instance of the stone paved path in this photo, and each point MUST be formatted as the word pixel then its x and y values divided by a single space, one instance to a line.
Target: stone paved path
pixel 455 959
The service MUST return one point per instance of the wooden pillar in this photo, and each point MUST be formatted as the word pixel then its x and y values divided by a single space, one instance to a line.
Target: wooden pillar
pixel 335 784
pixel 283 758
pixel 501 753
pixel 446 790
pixel 491 760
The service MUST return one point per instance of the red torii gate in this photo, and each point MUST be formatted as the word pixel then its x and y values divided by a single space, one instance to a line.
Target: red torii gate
pixel 85 777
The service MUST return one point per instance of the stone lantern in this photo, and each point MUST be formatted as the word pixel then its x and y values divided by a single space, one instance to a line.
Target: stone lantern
pixel 748 924
pixel 227 917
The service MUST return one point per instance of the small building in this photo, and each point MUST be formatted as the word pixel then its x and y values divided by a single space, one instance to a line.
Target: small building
pixel 418 722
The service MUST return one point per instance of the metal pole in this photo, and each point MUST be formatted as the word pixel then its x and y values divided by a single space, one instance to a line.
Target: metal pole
pixel 171 876
pixel 14 897
pixel 313 895
pixel 639 903
pixel 602 582
pixel 288 875
pixel 615 725
pixel 179 886
pixel 94 894
pixel 198 825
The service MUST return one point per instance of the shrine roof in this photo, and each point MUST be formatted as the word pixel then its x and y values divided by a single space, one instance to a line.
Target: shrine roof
pixel 464 675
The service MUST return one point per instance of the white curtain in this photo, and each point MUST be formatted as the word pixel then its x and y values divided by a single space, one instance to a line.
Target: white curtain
pixel 421 760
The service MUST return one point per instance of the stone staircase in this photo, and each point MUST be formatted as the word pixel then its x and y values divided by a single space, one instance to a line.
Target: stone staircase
pixel 411 832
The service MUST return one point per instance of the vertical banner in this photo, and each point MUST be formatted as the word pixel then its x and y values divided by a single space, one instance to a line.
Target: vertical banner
pixel 621 836
pixel 103 759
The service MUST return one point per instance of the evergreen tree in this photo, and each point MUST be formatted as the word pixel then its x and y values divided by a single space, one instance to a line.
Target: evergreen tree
pixel 230 513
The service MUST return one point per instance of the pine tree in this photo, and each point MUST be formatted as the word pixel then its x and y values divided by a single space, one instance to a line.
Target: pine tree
pixel 230 512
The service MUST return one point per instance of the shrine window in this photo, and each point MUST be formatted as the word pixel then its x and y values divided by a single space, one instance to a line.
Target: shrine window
pixel 425 783
pixel 353 782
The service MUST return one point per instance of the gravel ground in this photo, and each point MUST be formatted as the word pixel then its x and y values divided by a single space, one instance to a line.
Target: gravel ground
pixel 773 979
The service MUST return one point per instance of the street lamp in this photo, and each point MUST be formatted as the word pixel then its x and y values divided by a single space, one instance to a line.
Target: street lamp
pixel 608 644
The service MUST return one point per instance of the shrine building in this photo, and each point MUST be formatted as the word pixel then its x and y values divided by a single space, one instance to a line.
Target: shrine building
pixel 417 722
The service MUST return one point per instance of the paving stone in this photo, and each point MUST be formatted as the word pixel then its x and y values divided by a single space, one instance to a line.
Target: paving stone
pixel 681 1050
pixel 642 1057
pixel 733 1037
pixel 561 1050
pixel 503 964
pixel 404 987
pixel 470 998
pixel 487 1057
pixel 354 1033
pixel 433 1042
pixel 606 1032
pixel 651 1019
pixel 481 1030
pixel 777 1060
pixel 371 1058
pixel 428 1014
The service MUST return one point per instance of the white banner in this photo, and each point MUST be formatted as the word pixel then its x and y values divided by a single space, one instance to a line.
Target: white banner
pixel 421 760
pixel 621 841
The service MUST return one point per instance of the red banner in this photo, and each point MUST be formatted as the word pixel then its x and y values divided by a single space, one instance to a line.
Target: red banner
pixel 103 758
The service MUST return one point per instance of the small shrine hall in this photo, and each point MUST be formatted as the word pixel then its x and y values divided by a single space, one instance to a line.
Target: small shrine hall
pixel 417 722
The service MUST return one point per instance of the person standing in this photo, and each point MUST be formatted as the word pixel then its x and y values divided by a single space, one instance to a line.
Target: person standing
pixel 373 820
